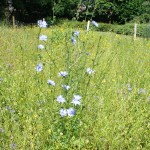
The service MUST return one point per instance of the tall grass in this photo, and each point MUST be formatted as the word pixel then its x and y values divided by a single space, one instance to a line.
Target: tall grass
pixel 114 110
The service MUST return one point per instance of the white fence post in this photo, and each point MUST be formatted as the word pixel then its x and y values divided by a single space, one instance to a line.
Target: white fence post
pixel 135 30
pixel 88 25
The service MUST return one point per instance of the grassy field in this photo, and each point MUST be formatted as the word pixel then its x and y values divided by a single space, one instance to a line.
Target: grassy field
pixel 103 77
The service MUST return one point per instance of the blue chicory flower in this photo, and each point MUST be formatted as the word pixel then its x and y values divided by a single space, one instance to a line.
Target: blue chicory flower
pixel 13 146
pixel 40 46
pixel 70 112
pixel 129 87
pixel 76 33
pixel 73 40
pixel 50 82
pixel 76 100
pixel 77 97
pixel 42 23
pixel 61 99
pixel 63 73
pixel 95 23
pixel 142 91
pixel 39 67
pixel 43 38
pixel 67 87
pixel 63 112
pixel 89 71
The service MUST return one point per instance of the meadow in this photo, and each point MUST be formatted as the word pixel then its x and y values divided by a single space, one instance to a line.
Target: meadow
pixel 73 90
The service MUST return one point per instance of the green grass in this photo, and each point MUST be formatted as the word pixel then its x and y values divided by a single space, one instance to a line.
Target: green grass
pixel 112 115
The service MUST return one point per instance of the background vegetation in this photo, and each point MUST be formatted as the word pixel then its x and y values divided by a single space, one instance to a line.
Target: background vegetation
pixel 110 11
pixel 143 30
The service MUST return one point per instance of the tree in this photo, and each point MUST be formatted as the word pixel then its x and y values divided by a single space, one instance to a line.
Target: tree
pixel 3 8
pixel 65 8
pixel 120 11
pixel 105 10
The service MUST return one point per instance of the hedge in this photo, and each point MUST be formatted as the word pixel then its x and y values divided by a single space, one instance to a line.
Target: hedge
pixel 143 30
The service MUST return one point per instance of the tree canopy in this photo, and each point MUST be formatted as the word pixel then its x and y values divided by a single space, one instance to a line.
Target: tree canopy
pixel 111 11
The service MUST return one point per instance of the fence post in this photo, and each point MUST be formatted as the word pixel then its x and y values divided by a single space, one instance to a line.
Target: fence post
pixel 13 21
pixel 88 25
pixel 135 30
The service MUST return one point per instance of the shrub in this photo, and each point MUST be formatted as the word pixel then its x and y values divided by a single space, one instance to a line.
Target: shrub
pixel 143 30
pixel 146 31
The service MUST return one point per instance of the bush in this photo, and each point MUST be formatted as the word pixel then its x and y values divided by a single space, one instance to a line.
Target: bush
pixel 143 30
pixel 105 27
pixel 73 24
pixel 146 31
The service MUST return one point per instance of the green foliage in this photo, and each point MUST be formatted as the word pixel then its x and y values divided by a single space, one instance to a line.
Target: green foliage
pixel 146 31
pixel 127 29
pixel 144 16
pixel 65 8
pixel 105 9
pixel 128 10
pixel 143 30
pixel 2 7
pixel 112 11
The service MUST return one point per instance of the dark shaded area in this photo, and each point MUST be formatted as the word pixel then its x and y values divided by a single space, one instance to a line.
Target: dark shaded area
pixel 108 11
pixel 30 12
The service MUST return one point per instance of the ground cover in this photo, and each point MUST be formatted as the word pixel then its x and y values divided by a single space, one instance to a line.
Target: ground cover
pixel 73 90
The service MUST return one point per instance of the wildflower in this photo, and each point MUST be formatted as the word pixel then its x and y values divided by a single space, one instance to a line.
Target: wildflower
pixel 12 146
pixel 39 67
pixel 50 82
pixel 71 112
pixel 142 91
pixel 95 23
pixel 63 112
pixel 60 99
pixel 77 97
pixel 87 53
pixel 10 65
pixel 43 38
pixel 67 87
pixel 10 109
pixel 2 130
pixel 63 73
pixel 89 71
pixel 129 87
pixel 76 100
pixel 76 33
pixel 42 23
pixel 73 40
pixel 40 46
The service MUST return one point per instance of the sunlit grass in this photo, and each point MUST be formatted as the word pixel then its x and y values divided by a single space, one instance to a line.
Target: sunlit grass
pixel 113 114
